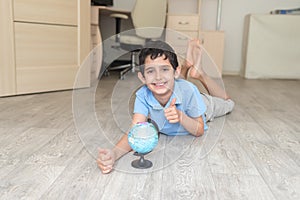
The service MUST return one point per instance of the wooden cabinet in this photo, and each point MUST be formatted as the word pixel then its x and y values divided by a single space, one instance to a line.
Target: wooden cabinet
pixel 49 42
pixel 213 42
pixel 183 24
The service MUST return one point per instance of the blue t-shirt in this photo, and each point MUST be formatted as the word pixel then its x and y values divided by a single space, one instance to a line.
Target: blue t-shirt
pixel 188 100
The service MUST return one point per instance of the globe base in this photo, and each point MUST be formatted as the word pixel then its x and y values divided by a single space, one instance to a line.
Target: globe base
pixel 141 163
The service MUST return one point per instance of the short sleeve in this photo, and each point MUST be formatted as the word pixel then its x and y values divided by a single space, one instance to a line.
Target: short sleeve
pixel 140 105
pixel 196 106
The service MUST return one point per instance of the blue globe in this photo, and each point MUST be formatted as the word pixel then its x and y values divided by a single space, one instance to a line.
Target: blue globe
pixel 143 137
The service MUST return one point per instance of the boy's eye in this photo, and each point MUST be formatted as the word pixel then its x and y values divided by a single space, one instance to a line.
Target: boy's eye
pixel 149 71
pixel 166 69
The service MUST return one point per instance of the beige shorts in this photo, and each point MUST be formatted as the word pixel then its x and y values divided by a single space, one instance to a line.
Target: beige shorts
pixel 216 107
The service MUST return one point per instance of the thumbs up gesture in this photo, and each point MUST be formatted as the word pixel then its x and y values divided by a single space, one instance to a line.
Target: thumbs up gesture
pixel 171 113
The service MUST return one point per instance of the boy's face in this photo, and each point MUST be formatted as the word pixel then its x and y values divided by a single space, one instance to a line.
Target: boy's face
pixel 159 76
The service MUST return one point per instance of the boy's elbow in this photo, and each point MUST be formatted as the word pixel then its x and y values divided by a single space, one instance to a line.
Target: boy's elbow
pixel 199 132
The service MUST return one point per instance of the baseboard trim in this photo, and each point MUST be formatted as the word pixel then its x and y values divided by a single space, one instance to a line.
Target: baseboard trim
pixel 231 73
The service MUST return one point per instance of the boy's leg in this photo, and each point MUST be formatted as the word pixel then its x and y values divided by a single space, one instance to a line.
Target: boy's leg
pixel 217 107
pixel 196 71
pixel 184 70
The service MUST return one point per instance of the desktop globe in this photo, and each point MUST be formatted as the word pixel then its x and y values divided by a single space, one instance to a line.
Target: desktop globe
pixel 142 138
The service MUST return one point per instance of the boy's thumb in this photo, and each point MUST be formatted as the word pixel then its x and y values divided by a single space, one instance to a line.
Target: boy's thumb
pixel 173 102
pixel 102 150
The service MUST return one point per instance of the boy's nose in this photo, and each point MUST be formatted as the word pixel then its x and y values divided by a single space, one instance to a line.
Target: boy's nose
pixel 158 75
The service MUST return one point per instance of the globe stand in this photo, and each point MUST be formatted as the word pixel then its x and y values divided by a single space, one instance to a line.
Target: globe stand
pixel 141 163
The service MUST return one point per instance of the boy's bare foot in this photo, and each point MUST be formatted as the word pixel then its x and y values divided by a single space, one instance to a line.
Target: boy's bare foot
pixel 189 60
pixel 196 71
pixel 190 55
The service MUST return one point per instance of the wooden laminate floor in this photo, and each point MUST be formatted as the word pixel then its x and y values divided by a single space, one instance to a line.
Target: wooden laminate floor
pixel 47 149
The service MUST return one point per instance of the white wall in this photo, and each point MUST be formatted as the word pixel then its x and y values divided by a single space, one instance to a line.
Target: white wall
pixel 232 22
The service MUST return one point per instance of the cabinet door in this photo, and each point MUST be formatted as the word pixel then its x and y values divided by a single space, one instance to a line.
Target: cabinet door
pixel 7 61
pixel 46 57
pixel 96 53
pixel 46 11
pixel 213 42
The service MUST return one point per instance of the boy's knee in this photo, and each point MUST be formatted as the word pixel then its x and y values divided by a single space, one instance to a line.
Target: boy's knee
pixel 231 105
pixel 220 107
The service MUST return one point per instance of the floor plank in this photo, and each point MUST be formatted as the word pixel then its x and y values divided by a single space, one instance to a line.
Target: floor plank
pixel 187 174
pixel 278 170
pixel 19 148
pixel 78 179
pixel 241 187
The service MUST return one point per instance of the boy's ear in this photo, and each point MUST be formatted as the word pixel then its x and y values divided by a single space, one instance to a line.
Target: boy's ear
pixel 177 72
pixel 141 77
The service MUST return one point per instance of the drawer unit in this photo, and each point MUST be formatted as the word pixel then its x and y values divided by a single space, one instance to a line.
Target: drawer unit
pixel 183 24
pixel 180 30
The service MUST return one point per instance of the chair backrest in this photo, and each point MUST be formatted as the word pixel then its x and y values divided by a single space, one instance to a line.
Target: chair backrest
pixel 149 13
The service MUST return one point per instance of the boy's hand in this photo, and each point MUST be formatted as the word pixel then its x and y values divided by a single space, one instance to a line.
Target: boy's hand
pixel 106 160
pixel 171 113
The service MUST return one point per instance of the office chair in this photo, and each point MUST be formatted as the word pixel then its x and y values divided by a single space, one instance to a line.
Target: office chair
pixel 145 15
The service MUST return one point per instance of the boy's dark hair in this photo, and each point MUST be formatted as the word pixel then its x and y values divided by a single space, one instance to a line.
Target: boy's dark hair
pixel 156 49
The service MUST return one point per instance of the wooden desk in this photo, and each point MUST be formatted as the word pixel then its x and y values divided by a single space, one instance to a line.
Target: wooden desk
pixel 96 33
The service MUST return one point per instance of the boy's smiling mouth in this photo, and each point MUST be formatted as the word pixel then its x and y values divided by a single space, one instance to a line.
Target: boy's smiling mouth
pixel 160 84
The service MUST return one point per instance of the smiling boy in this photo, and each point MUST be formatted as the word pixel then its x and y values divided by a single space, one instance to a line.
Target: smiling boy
pixel 176 105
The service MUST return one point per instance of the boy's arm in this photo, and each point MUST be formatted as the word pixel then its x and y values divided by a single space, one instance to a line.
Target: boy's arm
pixel 107 157
pixel 195 126
pixel 122 147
